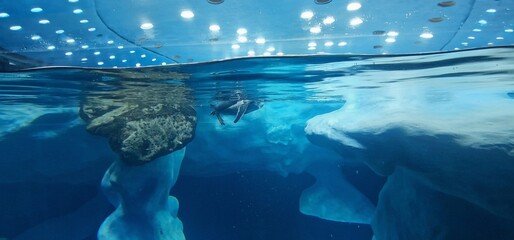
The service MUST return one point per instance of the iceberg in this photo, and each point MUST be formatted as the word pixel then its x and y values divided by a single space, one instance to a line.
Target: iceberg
pixel 333 198
pixel 448 149
pixel 449 137
pixel 144 209
pixel 409 209
pixel 15 117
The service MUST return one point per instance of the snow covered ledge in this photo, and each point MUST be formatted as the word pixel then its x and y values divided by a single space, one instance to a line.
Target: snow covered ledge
pixel 144 209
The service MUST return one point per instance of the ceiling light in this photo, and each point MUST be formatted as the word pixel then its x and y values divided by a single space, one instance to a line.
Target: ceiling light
pixel 354 6
pixel 355 21
pixel 36 10
pixel 315 30
pixel 426 35
pixel 15 28
pixel 241 31
pixel 307 15
pixel 260 40
pixel 187 14
pixel 242 39
pixel 146 26
pixel 390 40
pixel 329 20
pixel 214 28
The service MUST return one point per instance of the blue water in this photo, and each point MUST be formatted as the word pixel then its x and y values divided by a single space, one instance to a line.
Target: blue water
pixel 342 147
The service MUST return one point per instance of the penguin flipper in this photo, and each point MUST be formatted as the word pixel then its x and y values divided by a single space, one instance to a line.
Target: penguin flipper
pixel 220 119
pixel 241 111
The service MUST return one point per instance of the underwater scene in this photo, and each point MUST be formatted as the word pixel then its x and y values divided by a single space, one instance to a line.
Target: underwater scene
pixel 416 146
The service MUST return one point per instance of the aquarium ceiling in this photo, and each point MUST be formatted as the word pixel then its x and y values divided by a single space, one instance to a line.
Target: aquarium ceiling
pixel 133 33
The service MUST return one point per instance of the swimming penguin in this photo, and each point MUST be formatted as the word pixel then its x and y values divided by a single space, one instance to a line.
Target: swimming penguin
pixel 235 107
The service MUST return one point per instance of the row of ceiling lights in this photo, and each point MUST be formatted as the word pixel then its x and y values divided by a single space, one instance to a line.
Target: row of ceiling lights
pixel 306 15
pixel 69 40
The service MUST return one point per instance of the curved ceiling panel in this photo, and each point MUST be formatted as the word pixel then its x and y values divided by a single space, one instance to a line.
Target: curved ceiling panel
pixel 490 23
pixel 108 33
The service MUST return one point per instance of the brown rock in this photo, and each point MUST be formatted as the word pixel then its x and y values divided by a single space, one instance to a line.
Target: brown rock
pixel 142 120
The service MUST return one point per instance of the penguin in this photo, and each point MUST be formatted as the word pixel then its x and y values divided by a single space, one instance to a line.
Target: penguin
pixel 234 107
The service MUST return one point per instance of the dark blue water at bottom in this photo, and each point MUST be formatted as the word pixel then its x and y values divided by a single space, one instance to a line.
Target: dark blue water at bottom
pixel 262 205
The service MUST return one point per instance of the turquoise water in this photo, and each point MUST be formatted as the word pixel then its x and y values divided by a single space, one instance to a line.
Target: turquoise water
pixel 329 147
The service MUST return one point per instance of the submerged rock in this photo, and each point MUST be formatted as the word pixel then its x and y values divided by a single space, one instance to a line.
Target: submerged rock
pixel 143 121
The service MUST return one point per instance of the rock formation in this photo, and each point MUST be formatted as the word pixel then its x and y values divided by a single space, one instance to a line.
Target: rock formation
pixel 143 121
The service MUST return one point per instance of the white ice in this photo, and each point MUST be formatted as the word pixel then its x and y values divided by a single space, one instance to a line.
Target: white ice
pixel 144 209
pixel 449 127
